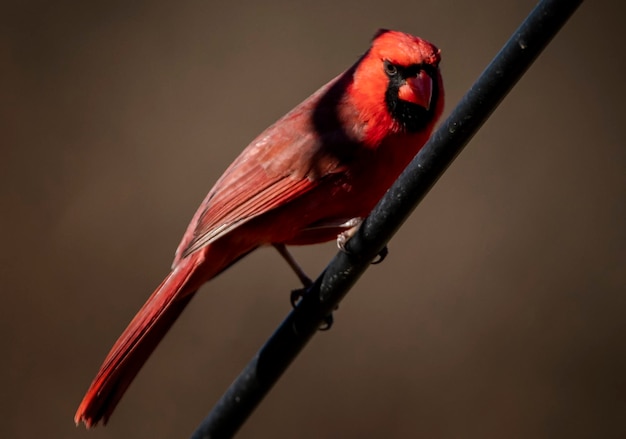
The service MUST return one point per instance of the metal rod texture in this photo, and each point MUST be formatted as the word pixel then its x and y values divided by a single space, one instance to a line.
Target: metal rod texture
pixel 258 377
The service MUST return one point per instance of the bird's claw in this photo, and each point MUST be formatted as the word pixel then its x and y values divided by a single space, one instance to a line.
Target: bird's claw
pixel 296 296
pixel 327 323
pixel 342 239
pixel 345 236
pixel 381 256
pixel 341 242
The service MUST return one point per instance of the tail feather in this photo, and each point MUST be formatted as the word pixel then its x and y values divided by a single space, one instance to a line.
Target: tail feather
pixel 135 345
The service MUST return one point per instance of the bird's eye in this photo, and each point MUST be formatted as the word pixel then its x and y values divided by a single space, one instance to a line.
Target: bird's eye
pixel 390 69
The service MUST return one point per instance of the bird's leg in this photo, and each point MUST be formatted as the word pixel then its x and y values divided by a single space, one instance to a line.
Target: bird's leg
pixel 282 249
pixel 345 236
pixel 296 295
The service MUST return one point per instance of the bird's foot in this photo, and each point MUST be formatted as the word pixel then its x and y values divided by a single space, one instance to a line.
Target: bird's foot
pixel 345 236
pixel 296 296
pixel 327 323
pixel 381 256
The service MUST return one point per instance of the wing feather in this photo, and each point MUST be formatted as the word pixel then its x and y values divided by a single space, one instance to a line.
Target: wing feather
pixel 287 160
pixel 218 221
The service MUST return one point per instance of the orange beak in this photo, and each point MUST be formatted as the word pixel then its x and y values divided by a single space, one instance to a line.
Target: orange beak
pixel 417 89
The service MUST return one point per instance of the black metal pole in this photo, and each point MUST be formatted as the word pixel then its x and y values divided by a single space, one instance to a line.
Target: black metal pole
pixel 258 377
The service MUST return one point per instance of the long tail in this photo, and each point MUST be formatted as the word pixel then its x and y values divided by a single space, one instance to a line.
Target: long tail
pixel 132 349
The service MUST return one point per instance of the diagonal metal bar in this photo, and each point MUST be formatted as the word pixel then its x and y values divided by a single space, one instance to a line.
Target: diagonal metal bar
pixel 258 377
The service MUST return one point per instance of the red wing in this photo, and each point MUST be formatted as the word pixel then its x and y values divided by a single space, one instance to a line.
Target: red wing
pixel 239 205
pixel 286 161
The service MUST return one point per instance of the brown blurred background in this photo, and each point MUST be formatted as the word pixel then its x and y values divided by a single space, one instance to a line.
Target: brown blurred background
pixel 499 312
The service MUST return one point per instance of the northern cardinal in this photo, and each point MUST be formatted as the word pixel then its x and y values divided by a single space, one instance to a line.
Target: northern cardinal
pixel 306 179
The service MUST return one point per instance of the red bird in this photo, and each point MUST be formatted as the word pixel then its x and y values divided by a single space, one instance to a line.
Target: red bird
pixel 306 179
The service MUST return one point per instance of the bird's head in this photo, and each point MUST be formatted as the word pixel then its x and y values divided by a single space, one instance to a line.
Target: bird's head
pixel 397 86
